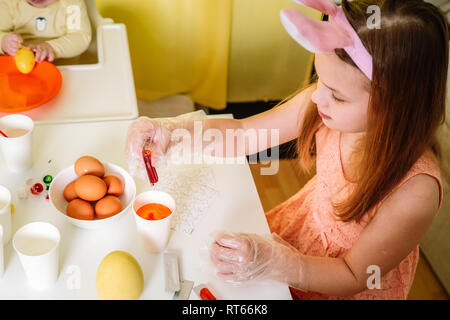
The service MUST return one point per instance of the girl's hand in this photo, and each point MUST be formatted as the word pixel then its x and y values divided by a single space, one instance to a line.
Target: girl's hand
pixel 43 51
pixel 243 257
pixel 153 134
pixel 156 135
pixel 11 43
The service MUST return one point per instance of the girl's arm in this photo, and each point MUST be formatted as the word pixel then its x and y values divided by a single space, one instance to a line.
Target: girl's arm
pixel 397 228
pixel 286 119
pixel 400 223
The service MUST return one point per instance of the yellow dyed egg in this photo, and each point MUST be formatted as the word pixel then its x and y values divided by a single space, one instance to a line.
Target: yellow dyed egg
pixel 25 60
pixel 119 277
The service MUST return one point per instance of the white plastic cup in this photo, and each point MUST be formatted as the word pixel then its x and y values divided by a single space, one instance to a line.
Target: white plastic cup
pixel 154 234
pixel 2 265
pixel 17 148
pixel 5 214
pixel 37 245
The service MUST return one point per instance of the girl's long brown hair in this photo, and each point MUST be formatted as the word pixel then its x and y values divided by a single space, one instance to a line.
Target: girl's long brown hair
pixel 407 98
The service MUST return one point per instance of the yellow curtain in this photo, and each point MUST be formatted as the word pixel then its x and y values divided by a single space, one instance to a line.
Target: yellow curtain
pixel 214 51
pixel 176 46
pixel 265 62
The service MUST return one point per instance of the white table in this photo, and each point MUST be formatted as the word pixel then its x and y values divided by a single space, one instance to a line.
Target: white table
pixel 237 209
pixel 95 92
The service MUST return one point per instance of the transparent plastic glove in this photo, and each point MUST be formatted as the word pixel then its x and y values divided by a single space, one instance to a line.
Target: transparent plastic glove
pixel 155 135
pixel 152 134
pixel 239 258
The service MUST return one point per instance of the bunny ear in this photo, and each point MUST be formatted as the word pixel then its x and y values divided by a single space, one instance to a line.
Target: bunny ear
pixel 325 36
pixel 324 6
pixel 314 35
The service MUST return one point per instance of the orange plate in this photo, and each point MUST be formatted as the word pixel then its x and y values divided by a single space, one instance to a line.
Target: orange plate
pixel 20 92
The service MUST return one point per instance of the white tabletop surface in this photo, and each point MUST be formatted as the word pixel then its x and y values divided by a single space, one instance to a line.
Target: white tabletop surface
pixel 58 146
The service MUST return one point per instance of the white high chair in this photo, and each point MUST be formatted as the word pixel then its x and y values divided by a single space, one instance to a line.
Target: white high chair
pixel 90 56
pixel 98 85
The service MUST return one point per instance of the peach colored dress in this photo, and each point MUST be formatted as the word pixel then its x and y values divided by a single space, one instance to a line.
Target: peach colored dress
pixel 307 219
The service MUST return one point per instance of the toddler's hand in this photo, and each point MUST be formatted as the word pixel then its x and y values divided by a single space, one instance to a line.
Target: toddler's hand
pixel 43 51
pixel 11 43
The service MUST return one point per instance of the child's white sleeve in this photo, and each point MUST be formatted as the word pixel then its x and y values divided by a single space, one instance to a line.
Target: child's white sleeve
pixel 78 36
pixel 6 21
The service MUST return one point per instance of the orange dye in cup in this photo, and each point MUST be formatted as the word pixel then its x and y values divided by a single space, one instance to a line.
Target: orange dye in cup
pixel 153 211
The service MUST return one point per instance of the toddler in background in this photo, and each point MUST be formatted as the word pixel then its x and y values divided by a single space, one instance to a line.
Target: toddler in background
pixel 51 28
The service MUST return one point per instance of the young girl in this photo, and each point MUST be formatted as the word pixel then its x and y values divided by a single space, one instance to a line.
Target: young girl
pixel 368 124
pixel 51 28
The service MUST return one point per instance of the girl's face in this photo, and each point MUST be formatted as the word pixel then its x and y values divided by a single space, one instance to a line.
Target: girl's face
pixel 341 96
pixel 41 3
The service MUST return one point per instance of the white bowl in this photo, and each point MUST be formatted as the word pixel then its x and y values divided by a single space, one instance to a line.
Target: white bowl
pixel 67 175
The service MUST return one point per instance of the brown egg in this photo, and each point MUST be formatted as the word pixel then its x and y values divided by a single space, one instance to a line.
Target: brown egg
pixel 80 209
pixel 89 165
pixel 114 185
pixel 69 192
pixel 90 188
pixel 107 207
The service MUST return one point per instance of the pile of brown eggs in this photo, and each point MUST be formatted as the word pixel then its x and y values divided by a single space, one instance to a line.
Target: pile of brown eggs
pixel 92 194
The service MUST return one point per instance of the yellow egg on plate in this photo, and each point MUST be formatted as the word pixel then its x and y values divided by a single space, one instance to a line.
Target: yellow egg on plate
pixel 119 277
pixel 25 60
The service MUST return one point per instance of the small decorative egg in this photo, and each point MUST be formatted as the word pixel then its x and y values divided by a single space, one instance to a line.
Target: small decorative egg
pixel 80 209
pixel 69 192
pixel 25 60
pixel 107 207
pixel 89 165
pixel 90 188
pixel 114 185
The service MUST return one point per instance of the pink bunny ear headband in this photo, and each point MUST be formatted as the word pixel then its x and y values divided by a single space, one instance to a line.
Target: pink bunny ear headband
pixel 325 36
